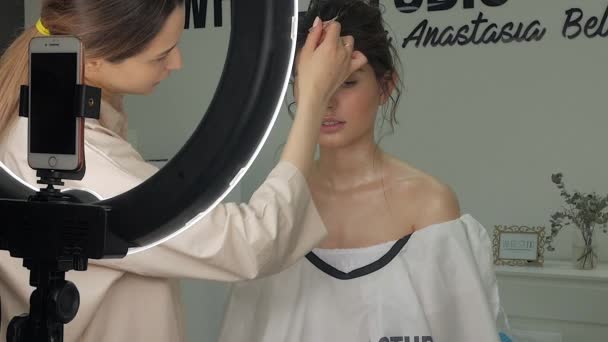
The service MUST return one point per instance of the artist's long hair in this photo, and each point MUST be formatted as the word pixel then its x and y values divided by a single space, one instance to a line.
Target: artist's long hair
pixel 113 30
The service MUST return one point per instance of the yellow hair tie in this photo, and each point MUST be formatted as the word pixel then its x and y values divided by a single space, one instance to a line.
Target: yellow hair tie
pixel 43 30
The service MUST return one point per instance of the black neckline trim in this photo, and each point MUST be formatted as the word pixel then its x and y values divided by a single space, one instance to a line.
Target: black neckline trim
pixel 362 271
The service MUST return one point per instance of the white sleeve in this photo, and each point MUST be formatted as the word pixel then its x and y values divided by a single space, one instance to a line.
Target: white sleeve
pixel 481 247
pixel 452 285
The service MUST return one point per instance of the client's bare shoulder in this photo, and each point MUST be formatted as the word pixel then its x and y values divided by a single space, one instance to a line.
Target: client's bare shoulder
pixel 421 200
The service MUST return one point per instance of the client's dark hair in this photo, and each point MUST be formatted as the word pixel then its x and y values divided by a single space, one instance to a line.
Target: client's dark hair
pixel 362 20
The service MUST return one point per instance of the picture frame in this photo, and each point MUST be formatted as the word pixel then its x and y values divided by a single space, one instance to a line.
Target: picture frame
pixel 518 245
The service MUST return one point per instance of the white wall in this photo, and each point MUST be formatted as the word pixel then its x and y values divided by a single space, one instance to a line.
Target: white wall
pixel 32 11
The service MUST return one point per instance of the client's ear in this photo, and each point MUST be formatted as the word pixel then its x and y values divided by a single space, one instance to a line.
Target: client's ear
pixel 387 85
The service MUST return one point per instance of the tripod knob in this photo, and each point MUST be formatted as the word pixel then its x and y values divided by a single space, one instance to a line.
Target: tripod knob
pixel 17 328
pixel 64 302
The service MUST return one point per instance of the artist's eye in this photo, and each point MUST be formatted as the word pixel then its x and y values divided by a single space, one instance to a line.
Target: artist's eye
pixel 161 59
pixel 349 84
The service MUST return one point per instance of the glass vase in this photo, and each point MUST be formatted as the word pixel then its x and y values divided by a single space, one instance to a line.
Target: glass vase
pixel 584 250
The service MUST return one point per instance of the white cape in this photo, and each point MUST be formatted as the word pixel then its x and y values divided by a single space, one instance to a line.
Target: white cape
pixel 437 284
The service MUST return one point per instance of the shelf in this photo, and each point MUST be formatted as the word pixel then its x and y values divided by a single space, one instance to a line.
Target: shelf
pixel 554 269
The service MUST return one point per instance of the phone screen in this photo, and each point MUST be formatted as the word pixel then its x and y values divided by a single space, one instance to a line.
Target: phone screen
pixel 52 121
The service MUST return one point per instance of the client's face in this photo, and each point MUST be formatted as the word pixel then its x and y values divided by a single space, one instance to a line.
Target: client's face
pixel 351 112
pixel 141 73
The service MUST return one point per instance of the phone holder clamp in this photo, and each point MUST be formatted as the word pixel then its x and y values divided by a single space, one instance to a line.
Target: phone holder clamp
pixel 87 104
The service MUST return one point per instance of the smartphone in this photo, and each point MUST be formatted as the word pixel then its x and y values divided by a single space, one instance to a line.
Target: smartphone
pixel 56 135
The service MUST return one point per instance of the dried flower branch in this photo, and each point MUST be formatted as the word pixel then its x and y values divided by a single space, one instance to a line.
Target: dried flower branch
pixel 585 211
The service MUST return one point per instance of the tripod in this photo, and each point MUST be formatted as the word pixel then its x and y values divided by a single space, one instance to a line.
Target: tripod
pixel 54 233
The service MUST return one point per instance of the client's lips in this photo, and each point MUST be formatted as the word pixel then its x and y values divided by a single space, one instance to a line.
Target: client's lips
pixel 332 119
pixel 331 125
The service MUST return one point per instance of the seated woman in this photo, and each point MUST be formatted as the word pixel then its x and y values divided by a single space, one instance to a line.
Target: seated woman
pixel 400 263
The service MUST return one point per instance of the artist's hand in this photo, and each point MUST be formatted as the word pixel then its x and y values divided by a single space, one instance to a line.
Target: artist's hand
pixel 325 62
